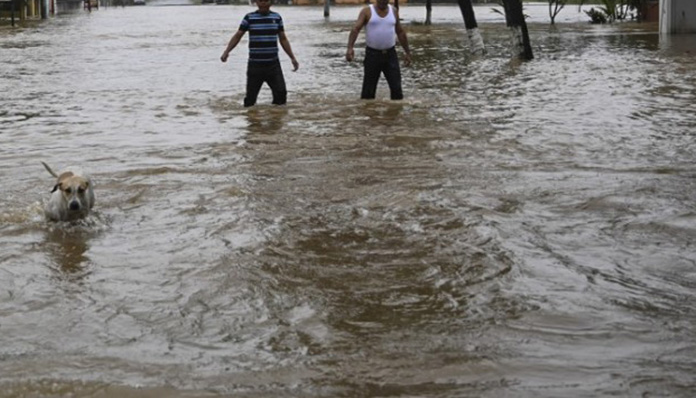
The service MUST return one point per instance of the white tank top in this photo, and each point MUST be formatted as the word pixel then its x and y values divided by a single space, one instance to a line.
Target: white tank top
pixel 379 32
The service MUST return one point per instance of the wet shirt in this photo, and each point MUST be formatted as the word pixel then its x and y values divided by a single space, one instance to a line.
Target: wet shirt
pixel 263 35
pixel 380 31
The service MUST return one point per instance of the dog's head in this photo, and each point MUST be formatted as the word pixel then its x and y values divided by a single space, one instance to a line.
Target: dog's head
pixel 74 189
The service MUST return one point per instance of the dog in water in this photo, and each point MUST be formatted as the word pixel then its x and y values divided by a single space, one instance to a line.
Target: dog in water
pixel 72 197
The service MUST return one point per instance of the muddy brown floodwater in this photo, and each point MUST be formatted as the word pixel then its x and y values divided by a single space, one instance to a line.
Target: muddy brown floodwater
pixel 509 229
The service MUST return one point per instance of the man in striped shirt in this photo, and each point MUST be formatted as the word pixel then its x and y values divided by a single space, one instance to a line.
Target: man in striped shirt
pixel 265 29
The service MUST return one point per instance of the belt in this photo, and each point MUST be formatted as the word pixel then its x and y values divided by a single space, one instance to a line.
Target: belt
pixel 379 51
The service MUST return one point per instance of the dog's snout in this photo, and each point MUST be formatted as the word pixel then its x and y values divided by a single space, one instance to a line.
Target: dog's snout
pixel 74 205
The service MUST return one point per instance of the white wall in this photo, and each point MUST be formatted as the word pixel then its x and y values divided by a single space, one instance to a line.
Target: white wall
pixel 677 16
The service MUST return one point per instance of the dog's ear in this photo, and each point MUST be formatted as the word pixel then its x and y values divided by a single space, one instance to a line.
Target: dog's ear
pixel 55 188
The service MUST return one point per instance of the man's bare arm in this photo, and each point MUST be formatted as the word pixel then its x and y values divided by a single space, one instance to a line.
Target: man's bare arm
pixel 285 43
pixel 403 39
pixel 353 36
pixel 232 44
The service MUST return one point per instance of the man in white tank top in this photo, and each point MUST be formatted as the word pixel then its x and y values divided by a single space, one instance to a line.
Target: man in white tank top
pixel 382 30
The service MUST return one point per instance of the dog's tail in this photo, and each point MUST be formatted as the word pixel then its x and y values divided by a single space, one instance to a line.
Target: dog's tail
pixel 49 170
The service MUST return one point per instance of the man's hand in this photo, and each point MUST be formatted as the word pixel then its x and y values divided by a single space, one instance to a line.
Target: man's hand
pixel 224 56
pixel 407 59
pixel 295 64
pixel 350 54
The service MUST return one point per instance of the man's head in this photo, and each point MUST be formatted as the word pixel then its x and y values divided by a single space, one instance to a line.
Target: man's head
pixel 382 4
pixel 264 5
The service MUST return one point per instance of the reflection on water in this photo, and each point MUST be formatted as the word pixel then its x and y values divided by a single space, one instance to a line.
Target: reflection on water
pixel 266 120
pixel 508 229
pixel 68 247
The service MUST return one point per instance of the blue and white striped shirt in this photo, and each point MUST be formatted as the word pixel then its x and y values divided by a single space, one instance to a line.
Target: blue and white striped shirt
pixel 263 35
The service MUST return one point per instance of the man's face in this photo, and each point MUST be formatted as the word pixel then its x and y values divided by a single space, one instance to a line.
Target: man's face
pixel 382 4
pixel 264 5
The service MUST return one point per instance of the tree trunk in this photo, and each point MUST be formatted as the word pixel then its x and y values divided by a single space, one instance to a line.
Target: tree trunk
pixel 472 31
pixel 514 16
pixel 428 11
pixel 327 8
pixel 468 14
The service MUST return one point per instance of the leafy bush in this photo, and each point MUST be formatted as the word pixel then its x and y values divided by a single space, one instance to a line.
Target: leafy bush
pixel 596 16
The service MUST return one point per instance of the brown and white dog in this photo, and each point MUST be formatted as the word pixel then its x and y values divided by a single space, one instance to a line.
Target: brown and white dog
pixel 72 197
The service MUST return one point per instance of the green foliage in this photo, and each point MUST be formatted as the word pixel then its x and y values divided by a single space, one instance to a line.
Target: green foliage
pixel 596 17
pixel 613 10
pixel 609 9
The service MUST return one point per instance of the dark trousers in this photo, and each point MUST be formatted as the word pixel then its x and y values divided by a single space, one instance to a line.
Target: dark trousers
pixel 270 73
pixel 378 62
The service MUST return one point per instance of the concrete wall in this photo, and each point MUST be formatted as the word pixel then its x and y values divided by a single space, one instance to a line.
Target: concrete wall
pixel 650 11
pixel 68 5
pixel 23 9
pixel 677 16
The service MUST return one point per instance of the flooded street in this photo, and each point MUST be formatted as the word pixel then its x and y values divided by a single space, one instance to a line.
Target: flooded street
pixel 508 230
